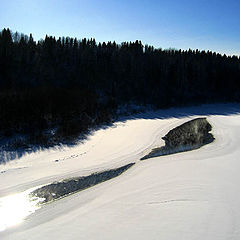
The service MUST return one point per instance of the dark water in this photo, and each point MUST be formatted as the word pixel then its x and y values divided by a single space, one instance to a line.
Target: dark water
pixel 186 137
pixel 61 189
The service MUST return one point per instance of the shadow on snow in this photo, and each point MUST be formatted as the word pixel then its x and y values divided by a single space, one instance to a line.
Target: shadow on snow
pixel 224 109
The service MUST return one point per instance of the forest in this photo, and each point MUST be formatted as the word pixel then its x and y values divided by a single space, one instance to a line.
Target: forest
pixel 54 90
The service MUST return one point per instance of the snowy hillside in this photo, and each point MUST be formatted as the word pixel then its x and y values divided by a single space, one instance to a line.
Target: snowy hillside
pixel 190 195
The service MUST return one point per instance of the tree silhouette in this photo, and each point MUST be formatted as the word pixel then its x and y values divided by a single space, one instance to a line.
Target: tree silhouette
pixel 71 85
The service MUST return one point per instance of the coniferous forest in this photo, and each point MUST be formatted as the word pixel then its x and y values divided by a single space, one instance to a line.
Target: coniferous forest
pixel 54 90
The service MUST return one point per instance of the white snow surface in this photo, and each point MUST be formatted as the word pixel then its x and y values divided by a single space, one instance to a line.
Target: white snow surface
pixel 191 195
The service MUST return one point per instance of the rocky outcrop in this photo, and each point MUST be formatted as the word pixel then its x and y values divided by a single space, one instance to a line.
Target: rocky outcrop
pixel 188 136
pixel 61 189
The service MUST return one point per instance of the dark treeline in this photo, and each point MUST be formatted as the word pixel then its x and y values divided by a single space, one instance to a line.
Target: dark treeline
pixel 68 85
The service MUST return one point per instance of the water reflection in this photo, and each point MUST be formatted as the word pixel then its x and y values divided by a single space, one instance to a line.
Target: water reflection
pixel 15 208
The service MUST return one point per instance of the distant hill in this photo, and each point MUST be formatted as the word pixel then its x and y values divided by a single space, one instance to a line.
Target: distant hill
pixel 54 90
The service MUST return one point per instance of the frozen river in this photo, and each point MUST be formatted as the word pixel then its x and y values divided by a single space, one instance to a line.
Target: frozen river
pixel 189 195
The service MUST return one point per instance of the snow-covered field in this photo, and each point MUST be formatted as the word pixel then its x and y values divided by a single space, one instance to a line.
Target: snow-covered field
pixel 191 195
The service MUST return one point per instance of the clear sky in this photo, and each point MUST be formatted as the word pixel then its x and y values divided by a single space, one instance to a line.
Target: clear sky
pixel 196 24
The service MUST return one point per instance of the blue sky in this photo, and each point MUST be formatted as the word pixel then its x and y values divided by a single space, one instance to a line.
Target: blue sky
pixel 196 24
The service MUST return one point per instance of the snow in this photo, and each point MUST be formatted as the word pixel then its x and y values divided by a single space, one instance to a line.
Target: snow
pixel 190 195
